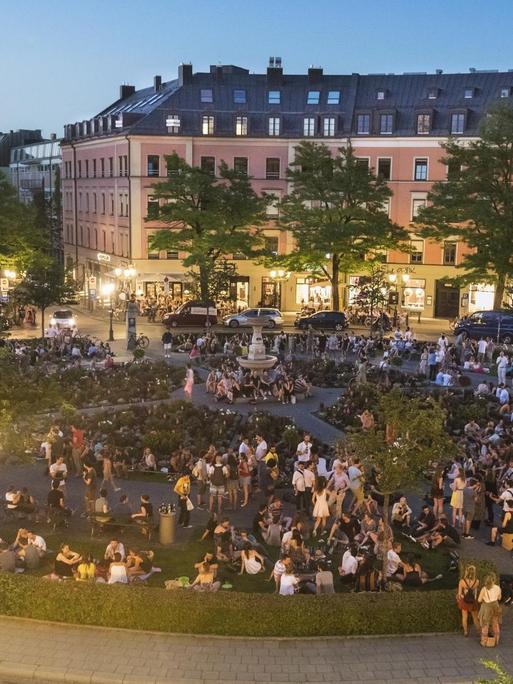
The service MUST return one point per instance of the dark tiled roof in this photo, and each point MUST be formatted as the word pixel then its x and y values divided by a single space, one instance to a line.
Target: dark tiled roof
pixel 145 111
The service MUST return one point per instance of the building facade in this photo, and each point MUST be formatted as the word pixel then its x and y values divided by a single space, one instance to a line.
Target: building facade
pixel 33 168
pixel 395 123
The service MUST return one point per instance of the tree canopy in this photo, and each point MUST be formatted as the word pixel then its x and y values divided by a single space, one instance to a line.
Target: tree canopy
pixel 208 217
pixel 337 213
pixel 475 204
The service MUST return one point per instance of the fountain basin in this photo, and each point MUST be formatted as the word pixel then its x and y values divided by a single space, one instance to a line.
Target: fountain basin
pixel 257 364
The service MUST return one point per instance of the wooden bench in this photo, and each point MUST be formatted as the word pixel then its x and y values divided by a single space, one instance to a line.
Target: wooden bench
pixel 98 523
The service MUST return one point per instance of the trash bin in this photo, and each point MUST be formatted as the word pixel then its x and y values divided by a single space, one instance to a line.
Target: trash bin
pixel 167 527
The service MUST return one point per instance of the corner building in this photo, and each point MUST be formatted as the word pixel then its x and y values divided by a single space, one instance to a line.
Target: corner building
pixel 396 124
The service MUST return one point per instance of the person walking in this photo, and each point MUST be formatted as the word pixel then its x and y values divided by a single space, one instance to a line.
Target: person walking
pixel 490 611
pixel 502 366
pixel 189 382
pixel 466 597
pixel 321 511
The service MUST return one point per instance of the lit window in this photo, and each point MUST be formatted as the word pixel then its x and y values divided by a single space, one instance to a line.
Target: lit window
pixel 274 125
pixel 239 96
pixel 457 123
pixel 274 97
pixel 433 93
pixel 468 93
pixel 241 125
pixel 309 126
pixel 423 124
pixel 333 97
pixel 206 95
pixel 363 124
pixel 421 169
pixel 380 95
pixel 313 97
pixel 207 125
pixel 328 126
pixel 505 92
pixel 386 122
pixel 173 123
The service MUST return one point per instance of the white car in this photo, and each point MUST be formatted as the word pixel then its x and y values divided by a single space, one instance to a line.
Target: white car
pixel 273 318
pixel 63 318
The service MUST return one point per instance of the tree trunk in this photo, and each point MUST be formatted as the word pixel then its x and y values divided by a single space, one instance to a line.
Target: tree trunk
pixel 335 278
pixel 500 286
pixel 386 502
pixel 43 322
pixel 203 277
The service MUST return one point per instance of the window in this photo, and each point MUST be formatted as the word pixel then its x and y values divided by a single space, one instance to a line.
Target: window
pixel 171 255
pixel 449 253
pixel 95 203
pixel 274 125
pixel 421 170
pixel 309 126
pixel 457 123
pixel 79 169
pixel 152 208
pixel 125 156
pixel 111 166
pixel 328 126
pixel 207 125
pixel 433 93
pixel 386 122
pixel 274 97
pixel 272 210
pixel 206 95
pixel 333 97
pixel 121 205
pixel 271 245
pixel 468 93
pixel 103 203
pixel 153 165
pixel 363 162
pixel 102 167
pixel 173 123
pixel 87 202
pixel 152 253
pixel 240 164
pixel 94 168
pixel 417 251
pixel 104 236
pixel 241 125
pixel 208 165
pixel 380 95
pixel 239 97
pixel 313 97
pixel 384 168
pixel 363 124
pixel 112 242
pixel 272 168
pixel 416 205
pixel 423 124
pixel 505 92
pixel 453 171
pixel 80 201
pixel 87 168
pixel 112 204
pixel 120 165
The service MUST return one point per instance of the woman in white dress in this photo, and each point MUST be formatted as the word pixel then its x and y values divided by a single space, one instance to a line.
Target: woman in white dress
pixel 251 561
pixel 321 511
pixel 288 582
pixel 189 382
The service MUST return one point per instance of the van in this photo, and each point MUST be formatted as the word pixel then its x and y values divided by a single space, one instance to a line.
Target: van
pixel 495 324
pixel 192 313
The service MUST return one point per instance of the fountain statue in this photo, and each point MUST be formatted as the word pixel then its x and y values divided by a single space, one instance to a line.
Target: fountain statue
pixel 257 360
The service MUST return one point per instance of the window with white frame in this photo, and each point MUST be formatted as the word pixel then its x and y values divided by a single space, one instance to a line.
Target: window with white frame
pixel 449 253
pixel 417 204
pixel 384 168
pixel 363 124
pixel 207 125
pixel 505 92
pixel 333 97
pixel 241 125
pixel 328 126
pixel 313 97
pixel 380 95
pixel 386 123
pixel 416 251
pixel 457 123
pixel 423 124
pixel 274 125
pixel 309 126
pixel 206 95
pixel 421 170
pixel 468 93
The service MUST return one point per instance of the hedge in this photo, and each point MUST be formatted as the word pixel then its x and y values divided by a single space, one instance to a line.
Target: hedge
pixel 256 615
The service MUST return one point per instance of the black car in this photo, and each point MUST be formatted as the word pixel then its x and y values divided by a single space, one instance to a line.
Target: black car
pixel 495 324
pixel 323 320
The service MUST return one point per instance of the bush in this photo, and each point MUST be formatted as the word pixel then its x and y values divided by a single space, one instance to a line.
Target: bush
pixel 228 614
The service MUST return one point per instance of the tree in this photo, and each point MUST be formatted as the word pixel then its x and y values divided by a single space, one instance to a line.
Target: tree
pixel 475 204
pixel 19 238
pixel 336 212
pixel 209 218
pixel 373 290
pixel 408 437
pixel 44 283
pixel 220 274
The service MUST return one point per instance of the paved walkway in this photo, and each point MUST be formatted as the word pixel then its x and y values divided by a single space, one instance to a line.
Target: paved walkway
pixel 42 652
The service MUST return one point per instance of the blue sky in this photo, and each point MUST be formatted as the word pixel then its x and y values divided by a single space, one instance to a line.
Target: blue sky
pixel 63 61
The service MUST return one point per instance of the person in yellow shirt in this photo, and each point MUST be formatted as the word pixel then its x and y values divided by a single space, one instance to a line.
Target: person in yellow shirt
pixel 183 489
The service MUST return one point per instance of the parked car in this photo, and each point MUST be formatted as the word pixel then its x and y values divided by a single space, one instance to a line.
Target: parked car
pixel 495 324
pixel 273 318
pixel 63 318
pixel 192 313
pixel 329 320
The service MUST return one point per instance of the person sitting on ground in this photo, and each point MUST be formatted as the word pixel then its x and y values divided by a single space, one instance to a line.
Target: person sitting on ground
pixel 251 561
pixel 102 511
pixel 58 470
pixel 66 563
pixel 223 540
pixel 113 547
pixel 7 558
pixel 349 565
pixel 412 575
pixel 425 523
pixel 401 513
pixel 117 571
pixel 55 501
pixel 324 579
pixel 442 533
pixel 148 461
pixel 205 579
pixel 288 582
pixel 394 564
pixel 86 570
pixel 506 528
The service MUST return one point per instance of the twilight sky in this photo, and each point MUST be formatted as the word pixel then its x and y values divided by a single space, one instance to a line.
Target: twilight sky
pixel 62 62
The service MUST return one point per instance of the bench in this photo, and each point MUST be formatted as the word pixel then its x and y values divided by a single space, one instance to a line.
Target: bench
pixel 98 523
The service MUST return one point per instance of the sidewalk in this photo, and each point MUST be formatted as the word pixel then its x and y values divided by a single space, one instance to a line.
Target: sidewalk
pixel 49 652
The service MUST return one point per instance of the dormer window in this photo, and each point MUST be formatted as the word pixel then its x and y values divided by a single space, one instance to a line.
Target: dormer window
pixel 313 97
pixel 386 124
pixel 274 97
pixel 468 93
pixel 206 95
pixel 423 124
pixel 457 123
pixel 333 97
pixel 173 123
pixel 433 93
pixel 239 97
pixel 380 94
pixel 505 92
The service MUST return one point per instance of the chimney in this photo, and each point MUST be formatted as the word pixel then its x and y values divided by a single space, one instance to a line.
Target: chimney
pixel 157 83
pixel 53 136
pixel 125 91
pixel 314 74
pixel 274 71
pixel 216 71
pixel 185 74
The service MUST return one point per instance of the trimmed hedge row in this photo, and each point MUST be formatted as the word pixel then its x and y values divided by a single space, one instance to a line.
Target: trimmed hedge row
pixel 234 614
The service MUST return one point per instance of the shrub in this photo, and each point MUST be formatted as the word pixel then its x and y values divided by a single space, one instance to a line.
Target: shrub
pixel 396 361
pixel 262 615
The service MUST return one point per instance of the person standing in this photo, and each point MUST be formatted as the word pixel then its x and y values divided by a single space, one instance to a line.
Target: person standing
pixel 167 343
pixel 298 484
pixel 502 365
pixel 183 489
pixel 304 449
pixel 321 510
pixel 89 479
pixel 260 454
pixel 490 610
pixel 77 447
pixel 189 382
pixel 466 597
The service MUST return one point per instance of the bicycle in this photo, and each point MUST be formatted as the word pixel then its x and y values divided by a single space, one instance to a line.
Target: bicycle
pixel 142 341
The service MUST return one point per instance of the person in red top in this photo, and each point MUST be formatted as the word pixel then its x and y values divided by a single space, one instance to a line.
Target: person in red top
pixel 77 447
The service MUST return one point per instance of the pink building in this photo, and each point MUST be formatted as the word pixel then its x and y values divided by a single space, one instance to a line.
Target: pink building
pixel 253 122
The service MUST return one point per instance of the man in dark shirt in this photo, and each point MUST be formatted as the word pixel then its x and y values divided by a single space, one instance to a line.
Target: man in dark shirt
pixel 122 510
pixel 425 523
pixel 55 500
pixel 7 558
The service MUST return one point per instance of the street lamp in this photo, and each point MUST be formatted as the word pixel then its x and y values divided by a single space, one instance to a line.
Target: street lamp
pixel 10 274
pixel 107 290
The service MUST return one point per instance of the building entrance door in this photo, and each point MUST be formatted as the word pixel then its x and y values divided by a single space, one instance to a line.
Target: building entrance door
pixel 447 302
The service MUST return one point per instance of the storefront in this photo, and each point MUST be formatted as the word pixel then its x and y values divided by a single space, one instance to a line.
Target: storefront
pixel 270 292
pixel 414 295
pixel 311 290
pixel 239 292
pixel 481 296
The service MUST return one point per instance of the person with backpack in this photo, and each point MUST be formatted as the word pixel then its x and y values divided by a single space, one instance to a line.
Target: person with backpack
pixel 218 475
pixel 466 598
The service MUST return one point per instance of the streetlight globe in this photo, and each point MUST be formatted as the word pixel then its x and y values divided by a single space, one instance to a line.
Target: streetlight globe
pixel 405 277
pixel 273 274
pixel 118 271
pixel 107 289
pixel 281 273
pixel 392 277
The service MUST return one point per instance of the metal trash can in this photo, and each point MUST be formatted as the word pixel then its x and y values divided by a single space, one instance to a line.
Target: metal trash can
pixel 167 528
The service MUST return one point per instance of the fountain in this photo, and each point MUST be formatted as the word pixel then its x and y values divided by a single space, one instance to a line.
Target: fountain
pixel 257 360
